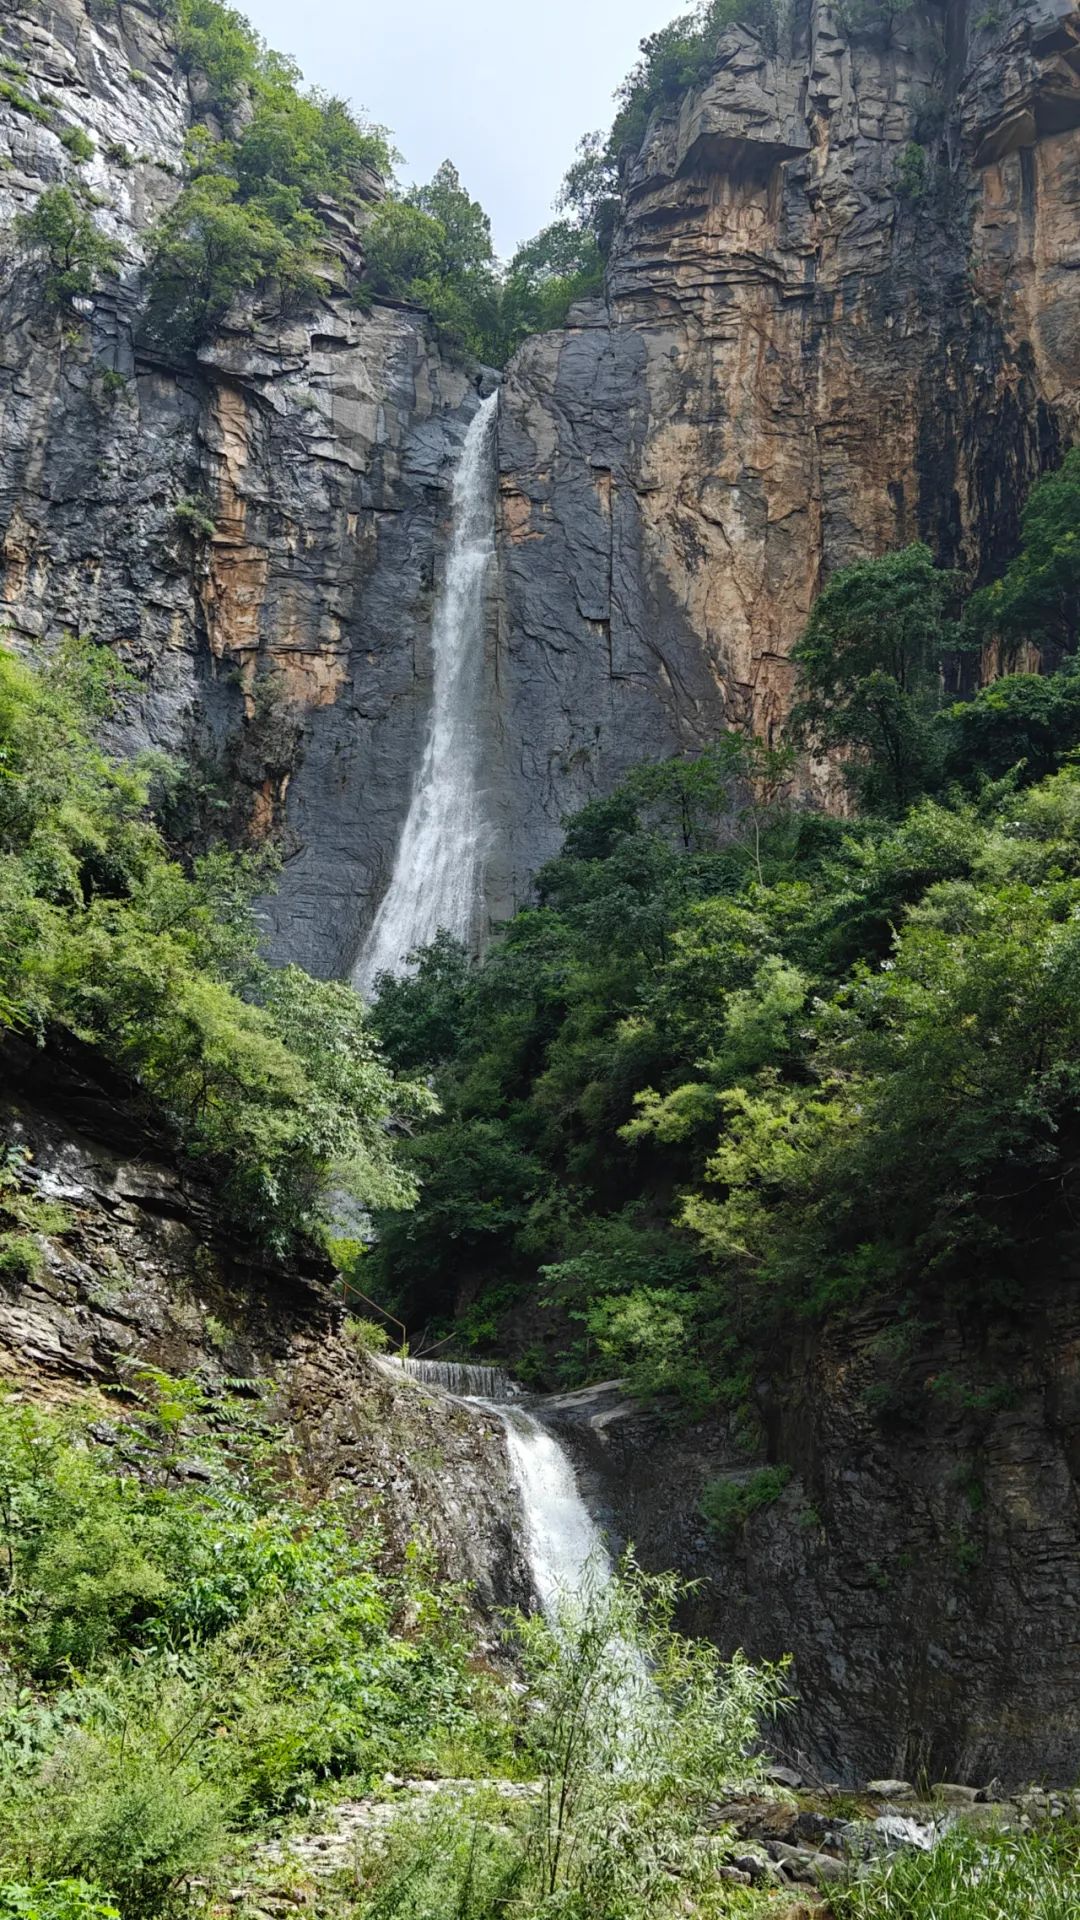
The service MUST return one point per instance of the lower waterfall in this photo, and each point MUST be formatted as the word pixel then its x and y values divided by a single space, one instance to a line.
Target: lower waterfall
pixel 436 882
pixel 563 1544
pixel 565 1548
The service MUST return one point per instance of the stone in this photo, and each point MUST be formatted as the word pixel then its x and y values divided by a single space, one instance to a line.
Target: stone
pixel 805 1863
pixel 783 1776
pixel 889 1789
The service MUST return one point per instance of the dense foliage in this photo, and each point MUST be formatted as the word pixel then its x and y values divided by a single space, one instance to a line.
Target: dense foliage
pixel 62 235
pixel 270 1078
pixel 190 1644
pixel 251 209
pixel 743 1061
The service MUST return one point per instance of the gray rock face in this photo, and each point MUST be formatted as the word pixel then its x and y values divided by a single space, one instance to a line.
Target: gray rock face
pixel 294 638
pixel 143 1271
pixel 922 1563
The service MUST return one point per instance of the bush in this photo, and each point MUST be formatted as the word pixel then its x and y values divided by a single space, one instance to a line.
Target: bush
pixel 186 1653
pixel 251 209
pixel 728 1504
pixel 78 144
pixel 367 1336
pixel 272 1078
pixel 55 1900
pixel 74 252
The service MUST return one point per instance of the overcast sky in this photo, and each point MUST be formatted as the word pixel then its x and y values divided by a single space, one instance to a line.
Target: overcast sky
pixel 503 90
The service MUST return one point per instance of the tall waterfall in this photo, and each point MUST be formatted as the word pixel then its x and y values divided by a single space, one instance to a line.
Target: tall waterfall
pixel 437 868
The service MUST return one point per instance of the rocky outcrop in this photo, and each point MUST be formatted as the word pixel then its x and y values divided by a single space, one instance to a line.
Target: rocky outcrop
pixel 143 1271
pixel 921 1560
pixel 256 532
pixel 842 315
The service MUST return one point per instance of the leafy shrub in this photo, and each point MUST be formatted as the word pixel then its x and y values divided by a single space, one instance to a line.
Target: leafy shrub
pixel 728 1504
pixel 250 212
pixel 62 235
pixel 55 1900
pixel 271 1077
pixel 78 144
pixel 184 1653
pixel 631 1730
pixel 367 1336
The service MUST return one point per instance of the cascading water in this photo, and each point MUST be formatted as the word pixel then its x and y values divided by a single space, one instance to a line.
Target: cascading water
pixel 563 1544
pixel 462 1378
pixel 437 872
pixel 565 1549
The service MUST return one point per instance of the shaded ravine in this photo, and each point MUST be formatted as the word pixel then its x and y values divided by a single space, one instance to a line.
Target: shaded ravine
pixel 436 883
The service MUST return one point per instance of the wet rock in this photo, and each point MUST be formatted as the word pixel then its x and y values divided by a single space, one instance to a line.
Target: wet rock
pixel 806 1864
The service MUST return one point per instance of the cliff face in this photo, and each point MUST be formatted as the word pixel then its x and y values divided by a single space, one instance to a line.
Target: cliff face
pixel 921 1561
pixel 822 339
pixel 143 1270
pixel 292 642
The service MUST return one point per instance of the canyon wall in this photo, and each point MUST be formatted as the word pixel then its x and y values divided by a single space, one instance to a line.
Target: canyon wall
pixel 916 1548
pixel 841 314
pixel 290 643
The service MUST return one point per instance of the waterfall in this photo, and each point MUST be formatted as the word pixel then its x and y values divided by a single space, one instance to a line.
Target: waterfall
pixel 563 1544
pixel 565 1549
pixel 436 878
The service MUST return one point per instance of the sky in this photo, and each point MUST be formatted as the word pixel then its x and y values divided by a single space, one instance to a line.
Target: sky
pixel 503 90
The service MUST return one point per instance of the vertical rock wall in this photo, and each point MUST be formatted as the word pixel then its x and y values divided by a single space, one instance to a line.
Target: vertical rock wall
pixel 291 641
pixel 842 315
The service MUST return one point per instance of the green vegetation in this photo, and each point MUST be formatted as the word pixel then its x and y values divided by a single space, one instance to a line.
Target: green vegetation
pixel 728 1504
pixel 434 248
pixel 971 1876
pixel 193 1649
pixel 743 1062
pixel 192 1645
pixel 869 671
pixel 629 1731
pixel 74 253
pixel 78 144
pixel 270 1079
pixel 251 209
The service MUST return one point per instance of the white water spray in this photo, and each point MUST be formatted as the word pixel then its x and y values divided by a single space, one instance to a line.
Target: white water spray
pixel 565 1548
pixel 563 1544
pixel 437 872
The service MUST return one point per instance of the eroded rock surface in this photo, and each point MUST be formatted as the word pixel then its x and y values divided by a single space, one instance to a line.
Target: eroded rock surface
pixel 144 1271
pixel 922 1560
pixel 843 314
pixel 820 338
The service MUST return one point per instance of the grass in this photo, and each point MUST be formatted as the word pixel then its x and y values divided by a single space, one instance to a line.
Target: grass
pixel 973 1876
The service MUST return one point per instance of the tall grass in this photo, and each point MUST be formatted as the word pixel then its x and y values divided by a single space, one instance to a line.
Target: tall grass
pixel 973 1876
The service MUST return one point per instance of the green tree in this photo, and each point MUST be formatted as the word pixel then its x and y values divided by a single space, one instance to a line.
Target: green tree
pixel 63 235
pixel 869 671
pixel 271 1078
pixel 1037 600
pixel 211 246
